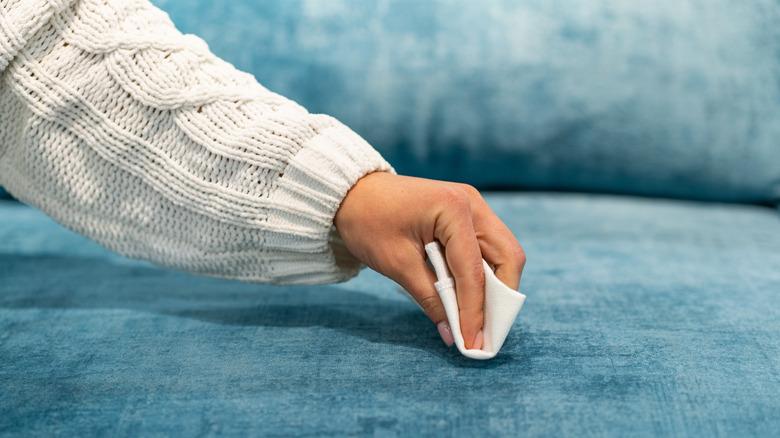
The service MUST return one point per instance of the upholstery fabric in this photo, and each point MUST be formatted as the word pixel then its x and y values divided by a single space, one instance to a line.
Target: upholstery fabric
pixel 675 98
pixel 643 318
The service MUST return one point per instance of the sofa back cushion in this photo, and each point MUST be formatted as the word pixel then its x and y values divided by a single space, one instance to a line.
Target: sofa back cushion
pixel 673 98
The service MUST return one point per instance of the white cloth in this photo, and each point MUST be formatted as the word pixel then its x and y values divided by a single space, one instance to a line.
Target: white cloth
pixel 502 304
pixel 122 129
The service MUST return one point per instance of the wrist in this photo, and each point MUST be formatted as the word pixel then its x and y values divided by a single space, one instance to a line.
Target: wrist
pixel 361 197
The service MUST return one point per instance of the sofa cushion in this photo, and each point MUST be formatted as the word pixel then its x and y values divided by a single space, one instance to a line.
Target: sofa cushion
pixel 643 318
pixel 674 98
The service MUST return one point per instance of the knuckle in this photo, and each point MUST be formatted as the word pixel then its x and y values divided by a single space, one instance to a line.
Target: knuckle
pixel 470 190
pixel 518 256
pixel 454 197
pixel 476 276
pixel 479 277
pixel 429 304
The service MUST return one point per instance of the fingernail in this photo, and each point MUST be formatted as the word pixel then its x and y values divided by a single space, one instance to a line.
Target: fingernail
pixel 446 333
pixel 477 341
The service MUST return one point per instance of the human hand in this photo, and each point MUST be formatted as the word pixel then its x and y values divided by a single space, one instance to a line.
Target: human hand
pixel 385 221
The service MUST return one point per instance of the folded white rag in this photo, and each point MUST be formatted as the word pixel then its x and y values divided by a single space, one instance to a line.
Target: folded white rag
pixel 502 304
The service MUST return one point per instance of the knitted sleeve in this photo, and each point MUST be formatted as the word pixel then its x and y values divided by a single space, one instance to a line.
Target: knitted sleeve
pixel 123 129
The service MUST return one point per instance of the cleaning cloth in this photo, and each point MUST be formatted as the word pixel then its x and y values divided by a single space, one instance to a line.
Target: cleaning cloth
pixel 502 304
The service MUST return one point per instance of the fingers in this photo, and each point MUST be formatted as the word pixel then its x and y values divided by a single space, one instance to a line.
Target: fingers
pixel 509 275
pixel 455 230
pixel 498 245
pixel 470 232
pixel 506 256
pixel 465 263
pixel 417 279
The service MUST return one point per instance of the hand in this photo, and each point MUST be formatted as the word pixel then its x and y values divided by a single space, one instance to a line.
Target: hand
pixel 385 221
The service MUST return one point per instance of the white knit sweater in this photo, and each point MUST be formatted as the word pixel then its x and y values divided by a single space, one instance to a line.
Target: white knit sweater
pixel 124 130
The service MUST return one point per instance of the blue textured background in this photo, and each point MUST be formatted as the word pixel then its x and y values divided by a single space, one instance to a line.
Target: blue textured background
pixel 673 98
pixel 643 318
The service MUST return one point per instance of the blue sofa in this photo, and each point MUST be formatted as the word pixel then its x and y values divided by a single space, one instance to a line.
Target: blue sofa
pixel 633 150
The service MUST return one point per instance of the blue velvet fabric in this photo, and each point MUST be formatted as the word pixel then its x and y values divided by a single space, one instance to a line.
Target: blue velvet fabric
pixel 643 318
pixel 675 98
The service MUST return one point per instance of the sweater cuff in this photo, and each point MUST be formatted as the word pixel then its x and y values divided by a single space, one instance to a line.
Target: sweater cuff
pixel 311 189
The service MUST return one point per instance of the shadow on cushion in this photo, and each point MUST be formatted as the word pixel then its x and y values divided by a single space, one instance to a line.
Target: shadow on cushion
pixel 70 284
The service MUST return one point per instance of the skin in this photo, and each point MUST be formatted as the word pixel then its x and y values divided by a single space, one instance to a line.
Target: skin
pixel 386 220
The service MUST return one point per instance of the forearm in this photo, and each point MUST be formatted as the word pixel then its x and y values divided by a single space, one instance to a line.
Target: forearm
pixel 126 131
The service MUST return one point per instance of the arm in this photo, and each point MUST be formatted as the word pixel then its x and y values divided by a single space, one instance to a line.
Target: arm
pixel 126 131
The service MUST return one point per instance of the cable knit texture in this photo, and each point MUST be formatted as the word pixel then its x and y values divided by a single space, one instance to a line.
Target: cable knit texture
pixel 123 129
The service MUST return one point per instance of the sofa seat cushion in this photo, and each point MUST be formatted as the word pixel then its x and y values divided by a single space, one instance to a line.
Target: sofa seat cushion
pixel 643 317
